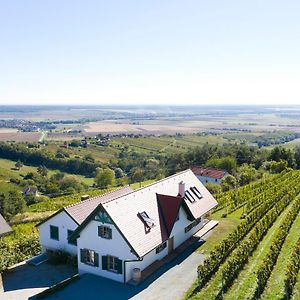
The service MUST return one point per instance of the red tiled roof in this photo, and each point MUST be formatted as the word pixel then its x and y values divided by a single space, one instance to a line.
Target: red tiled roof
pixel 81 210
pixel 209 172
pixel 169 208
pixel 4 227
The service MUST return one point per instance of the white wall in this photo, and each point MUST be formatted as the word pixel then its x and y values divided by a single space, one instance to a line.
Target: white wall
pixel 65 223
pixel 116 246
pixel 206 179
pixel 148 259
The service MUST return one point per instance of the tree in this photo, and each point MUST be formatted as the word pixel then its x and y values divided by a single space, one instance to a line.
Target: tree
pixel 137 174
pixel 228 182
pixel 18 164
pixel 246 174
pixel 42 170
pixel 227 163
pixel 213 188
pixel 105 177
pixel 119 173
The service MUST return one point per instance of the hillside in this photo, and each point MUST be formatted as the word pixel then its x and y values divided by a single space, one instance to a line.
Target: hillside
pixel 255 258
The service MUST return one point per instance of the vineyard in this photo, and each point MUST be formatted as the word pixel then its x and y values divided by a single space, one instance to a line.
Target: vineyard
pixel 260 257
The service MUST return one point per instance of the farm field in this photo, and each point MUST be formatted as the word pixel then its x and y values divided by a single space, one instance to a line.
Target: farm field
pixel 253 258
pixel 20 136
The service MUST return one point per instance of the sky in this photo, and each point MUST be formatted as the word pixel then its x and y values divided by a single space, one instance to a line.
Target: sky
pixel 149 52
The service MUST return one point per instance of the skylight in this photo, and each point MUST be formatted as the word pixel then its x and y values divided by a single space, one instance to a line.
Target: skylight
pixel 189 196
pixel 196 192
pixel 148 222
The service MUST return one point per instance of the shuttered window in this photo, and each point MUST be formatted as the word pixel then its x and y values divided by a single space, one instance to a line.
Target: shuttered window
pixel 89 257
pixel 105 232
pixel 112 263
pixel 54 233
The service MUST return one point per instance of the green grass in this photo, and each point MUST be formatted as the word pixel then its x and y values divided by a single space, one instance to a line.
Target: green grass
pixel 244 286
pixel 6 172
pixel 138 185
pixel 275 286
pixel 224 228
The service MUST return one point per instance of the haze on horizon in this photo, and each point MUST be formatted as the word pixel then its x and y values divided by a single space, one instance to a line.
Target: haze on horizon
pixel 150 52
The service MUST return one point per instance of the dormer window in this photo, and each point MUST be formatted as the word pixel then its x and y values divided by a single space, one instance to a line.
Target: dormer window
pixel 148 222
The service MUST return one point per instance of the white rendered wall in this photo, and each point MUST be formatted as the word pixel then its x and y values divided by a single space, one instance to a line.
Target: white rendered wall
pixel 148 259
pixel 64 223
pixel 205 179
pixel 178 230
pixel 116 246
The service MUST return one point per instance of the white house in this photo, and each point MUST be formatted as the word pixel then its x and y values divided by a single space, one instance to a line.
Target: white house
pixel 132 229
pixel 55 230
pixel 209 175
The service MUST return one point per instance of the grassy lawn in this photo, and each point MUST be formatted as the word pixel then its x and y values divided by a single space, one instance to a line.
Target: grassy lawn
pixel 244 286
pixel 275 286
pixel 225 227
pixel 7 172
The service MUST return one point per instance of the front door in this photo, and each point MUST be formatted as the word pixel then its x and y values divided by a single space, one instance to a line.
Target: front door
pixel 170 244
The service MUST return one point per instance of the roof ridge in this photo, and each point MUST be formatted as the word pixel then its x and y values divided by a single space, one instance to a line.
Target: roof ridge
pixel 161 180
pixel 90 199
pixel 146 186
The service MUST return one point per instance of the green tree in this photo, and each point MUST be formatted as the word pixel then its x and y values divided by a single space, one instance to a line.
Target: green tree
pixel 228 182
pixel 105 177
pixel 42 170
pixel 18 164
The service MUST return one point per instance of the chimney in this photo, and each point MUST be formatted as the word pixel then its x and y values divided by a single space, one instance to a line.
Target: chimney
pixel 181 189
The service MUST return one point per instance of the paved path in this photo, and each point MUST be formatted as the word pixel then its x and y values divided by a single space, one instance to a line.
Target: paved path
pixel 171 281
pixel 23 281
pixel 175 282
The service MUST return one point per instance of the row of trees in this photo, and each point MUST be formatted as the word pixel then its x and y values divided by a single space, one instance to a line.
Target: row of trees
pixel 37 157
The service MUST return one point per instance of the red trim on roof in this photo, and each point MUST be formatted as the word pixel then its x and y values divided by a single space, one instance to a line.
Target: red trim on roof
pixel 169 207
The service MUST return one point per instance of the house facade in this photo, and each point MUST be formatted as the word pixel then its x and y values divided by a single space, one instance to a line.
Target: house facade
pixel 127 232
pixel 209 175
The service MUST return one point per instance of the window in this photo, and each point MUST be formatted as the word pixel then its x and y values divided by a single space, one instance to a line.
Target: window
pixel 177 217
pixel 54 233
pixel 161 247
pixel 112 263
pixel 74 242
pixel 196 192
pixel 105 232
pixel 193 224
pixel 148 222
pixel 89 257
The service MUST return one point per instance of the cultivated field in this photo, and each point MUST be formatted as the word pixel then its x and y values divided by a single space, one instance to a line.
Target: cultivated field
pixel 15 136
pixel 255 259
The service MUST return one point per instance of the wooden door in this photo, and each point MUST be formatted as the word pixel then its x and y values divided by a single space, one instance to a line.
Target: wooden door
pixel 171 244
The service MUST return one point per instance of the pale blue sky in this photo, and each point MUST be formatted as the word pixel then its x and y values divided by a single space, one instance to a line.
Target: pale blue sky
pixel 151 52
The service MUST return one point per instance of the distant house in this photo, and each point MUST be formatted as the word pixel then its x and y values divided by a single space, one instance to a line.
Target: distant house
pixel 30 190
pixel 4 227
pixel 122 232
pixel 209 175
